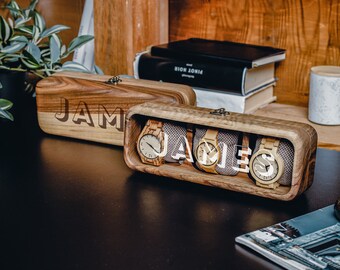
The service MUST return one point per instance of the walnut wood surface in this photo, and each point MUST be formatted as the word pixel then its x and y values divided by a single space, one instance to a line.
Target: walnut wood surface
pixel 123 28
pixel 88 97
pixel 302 136
pixel 328 136
pixel 308 30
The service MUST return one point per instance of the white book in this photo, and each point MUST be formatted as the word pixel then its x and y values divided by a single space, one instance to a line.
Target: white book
pixel 235 103
pixel 84 28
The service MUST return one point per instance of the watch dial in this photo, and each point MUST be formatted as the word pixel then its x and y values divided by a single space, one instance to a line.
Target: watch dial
pixel 265 167
pixel 150 146
pixel 207 154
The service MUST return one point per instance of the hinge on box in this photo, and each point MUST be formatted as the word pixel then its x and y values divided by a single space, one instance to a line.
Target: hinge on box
pixel 220 111
pixel 114 80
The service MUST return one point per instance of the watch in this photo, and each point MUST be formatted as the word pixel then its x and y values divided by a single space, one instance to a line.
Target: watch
pixel 266 165
pixel 207 152
pixel 150 143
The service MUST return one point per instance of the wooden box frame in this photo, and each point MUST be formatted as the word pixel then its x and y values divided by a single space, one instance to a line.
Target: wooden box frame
pixel 88 96
pixel 302 136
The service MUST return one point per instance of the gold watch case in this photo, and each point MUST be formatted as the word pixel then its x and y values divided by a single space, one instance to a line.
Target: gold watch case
pixel 266 165
pixel 207 152
pixel 150 143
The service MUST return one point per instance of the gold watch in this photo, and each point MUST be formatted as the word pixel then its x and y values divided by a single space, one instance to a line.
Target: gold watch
pixel 150 143
pixel 266 165
pixel 207 152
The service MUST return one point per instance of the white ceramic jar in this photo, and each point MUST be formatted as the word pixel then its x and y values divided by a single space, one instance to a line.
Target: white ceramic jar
pixel 324 95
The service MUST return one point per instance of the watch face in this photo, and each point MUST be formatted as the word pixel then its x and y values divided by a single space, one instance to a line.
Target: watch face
pixel 150 146
pixel 265 167
pixel 207 154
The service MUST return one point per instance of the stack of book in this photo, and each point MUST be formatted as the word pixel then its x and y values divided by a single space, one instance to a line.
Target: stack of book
pixel 236 76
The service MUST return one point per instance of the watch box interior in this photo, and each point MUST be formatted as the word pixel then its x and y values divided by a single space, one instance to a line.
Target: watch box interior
pixel 302 137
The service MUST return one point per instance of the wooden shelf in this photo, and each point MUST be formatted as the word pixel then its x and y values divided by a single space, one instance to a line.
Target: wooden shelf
pixel 328 136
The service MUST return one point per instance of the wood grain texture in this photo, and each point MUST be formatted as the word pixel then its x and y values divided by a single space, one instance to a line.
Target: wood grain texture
pixel 123 28
pixel 307 29
pixel 328 136
pixel 59 12
pixel 302 136
pixel 84 106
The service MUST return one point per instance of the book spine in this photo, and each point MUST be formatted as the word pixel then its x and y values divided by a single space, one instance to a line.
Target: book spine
pixel 186 55
pixel 204 75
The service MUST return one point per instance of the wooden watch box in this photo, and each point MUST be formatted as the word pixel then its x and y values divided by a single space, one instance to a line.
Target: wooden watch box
pixel 303 138
pixel 90 107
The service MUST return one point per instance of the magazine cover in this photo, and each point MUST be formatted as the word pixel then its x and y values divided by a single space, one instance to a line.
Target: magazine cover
pixel 311 241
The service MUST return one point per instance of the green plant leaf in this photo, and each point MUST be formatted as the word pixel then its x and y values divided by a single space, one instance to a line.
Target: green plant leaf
pixel 26 29
pixel 19 39
pixel 78 42
pixel 98 70
pixel 55 45
pixel 45 52
pixel 29 64
pixel 34 51
pixel 14 9
pixel 53 30
pixel 57 40
pixel 21 21
pixel 29 61
pixel 27 13
pixel 13 48
pixel 33 5
pixel 73 66
pixel 39 21
pixel 5 30
pixel 5 104
pixel 7 115
pixel 36 33
pixel 63 49
pixel 10 22
pixel 10 55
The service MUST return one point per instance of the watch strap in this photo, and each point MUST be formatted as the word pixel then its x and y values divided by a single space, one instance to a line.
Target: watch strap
pixel 154 128
pixel 211 136
pixel 270 144
pixel 245 148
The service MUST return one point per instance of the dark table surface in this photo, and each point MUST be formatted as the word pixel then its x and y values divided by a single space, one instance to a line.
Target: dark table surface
pixel 70 204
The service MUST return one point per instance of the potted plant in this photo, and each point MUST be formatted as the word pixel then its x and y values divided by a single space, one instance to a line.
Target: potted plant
pixel 29 51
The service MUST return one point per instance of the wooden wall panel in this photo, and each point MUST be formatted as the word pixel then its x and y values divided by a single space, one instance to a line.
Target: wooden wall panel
pixel 67 12
pixel 308 29
pixel 123 28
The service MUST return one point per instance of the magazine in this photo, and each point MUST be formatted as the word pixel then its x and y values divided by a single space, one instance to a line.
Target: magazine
pixel 311 241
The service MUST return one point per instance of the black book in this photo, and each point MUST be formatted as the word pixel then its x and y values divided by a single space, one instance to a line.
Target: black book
pixel 233 79
pixel 222 52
